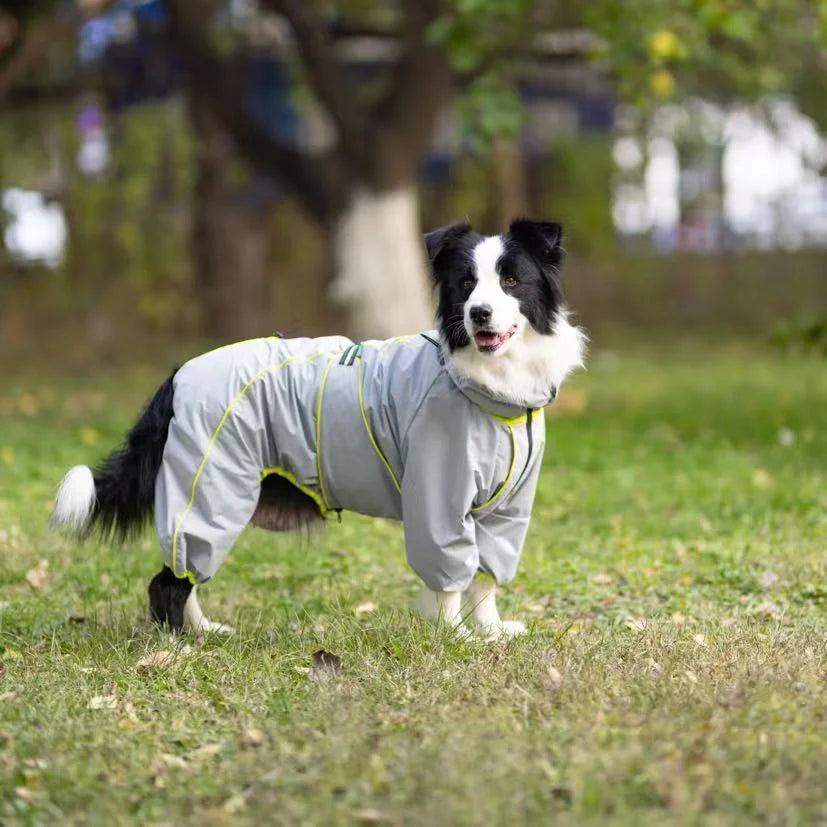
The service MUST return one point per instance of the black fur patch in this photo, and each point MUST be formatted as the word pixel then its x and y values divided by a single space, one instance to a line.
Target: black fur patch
pixel 125 480
pixel 283 507
pixel 167 597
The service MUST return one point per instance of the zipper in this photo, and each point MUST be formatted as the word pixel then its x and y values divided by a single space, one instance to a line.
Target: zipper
pixel 529 415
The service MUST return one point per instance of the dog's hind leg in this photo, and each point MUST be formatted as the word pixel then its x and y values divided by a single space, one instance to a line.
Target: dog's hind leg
pixel 168 595
pixel 173 602
pixel 196 621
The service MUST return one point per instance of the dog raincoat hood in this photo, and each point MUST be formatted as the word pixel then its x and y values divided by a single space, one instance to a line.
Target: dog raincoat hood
pixel 380 428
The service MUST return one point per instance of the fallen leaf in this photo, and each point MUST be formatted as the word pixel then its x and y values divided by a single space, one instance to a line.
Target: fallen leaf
pixel 692 677
pixel 370 815
pixel 251 737
pixel 235 804
pixel 554 675
pixel 325 666
pixel 24 793
pixel 638 624
pixel 169 760
pixel 162 659
pixel 102 702
pixel 601 579
pixel 678 619
pixel 364 608
pixel 655 666
pixel 38 576
pixel 699 639
pixel 207 751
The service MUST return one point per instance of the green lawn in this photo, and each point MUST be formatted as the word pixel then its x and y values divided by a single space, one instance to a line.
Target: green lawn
pixel 674 579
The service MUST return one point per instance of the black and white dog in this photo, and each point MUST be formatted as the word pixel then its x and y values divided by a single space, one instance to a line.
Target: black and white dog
pixel 503 331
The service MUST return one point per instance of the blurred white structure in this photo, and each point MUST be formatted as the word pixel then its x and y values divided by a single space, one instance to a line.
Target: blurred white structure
pixel 707 177
pixel 36 231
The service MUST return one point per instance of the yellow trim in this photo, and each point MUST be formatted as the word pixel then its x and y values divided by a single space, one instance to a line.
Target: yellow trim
pixel 216 432
pixel 484 575
pixel 501 490
pixel 325 500
pixel 517 420
pixel 290 477
pixel 367 426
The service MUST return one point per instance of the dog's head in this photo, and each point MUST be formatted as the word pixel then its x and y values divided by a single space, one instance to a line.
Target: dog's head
pixel 492 290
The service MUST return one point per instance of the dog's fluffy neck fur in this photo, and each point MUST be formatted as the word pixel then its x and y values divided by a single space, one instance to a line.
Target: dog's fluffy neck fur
pixel 530 373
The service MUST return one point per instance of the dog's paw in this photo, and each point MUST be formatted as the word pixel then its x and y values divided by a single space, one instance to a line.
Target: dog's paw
pixel 209 627
pixel 504 630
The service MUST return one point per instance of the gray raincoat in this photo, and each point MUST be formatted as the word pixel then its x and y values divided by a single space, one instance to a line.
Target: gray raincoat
pixel 380 428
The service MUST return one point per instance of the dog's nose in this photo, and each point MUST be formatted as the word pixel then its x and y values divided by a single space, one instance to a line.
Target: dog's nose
pixel 480 313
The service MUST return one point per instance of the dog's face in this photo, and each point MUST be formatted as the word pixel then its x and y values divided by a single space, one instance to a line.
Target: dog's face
pixel 492 289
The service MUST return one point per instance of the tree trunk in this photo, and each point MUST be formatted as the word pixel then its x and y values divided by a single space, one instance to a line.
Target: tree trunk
pixel 230 238
pixel 508 189
pixel 380 280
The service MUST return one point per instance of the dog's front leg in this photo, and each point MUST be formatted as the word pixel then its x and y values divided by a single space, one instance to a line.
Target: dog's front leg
pixel 479 601
pixel 442 606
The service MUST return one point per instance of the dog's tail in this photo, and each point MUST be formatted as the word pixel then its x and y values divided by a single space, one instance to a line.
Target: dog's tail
pixel 117 497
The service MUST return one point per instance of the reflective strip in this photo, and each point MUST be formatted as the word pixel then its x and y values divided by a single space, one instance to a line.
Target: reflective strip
pixel 500 490
pixel 238 397
pixel 322 384
pixel 305 489
pixel 367 426
pixel 517 420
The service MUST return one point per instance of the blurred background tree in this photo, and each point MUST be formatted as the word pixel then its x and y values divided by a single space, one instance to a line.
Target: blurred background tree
pixel 313 138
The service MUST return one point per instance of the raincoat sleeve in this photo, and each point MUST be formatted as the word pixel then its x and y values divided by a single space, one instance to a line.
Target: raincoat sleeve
pixel 438 487
pixel 501 532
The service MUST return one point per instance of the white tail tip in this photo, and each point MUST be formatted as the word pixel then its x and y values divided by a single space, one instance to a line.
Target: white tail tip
pixel 75 500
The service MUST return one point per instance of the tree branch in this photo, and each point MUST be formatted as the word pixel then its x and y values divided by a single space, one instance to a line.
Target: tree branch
pixel 38 39
pixel 420 82
pixel 329 80
pixel 317 182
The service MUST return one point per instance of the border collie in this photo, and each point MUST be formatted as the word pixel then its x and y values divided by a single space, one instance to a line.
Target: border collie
pixel 442 430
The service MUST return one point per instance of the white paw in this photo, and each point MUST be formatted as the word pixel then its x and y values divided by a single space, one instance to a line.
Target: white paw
pixel 504 630
pixel 209 626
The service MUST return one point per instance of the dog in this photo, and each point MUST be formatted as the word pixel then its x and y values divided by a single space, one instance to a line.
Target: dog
pixel 442 430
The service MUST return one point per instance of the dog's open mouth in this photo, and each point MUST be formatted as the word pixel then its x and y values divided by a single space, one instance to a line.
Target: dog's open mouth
pixel 488 340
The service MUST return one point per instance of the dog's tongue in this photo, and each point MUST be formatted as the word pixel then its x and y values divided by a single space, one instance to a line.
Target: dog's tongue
pixel 487 339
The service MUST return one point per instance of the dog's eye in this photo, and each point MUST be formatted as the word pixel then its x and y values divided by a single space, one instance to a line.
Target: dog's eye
pixel 509 281
pixel 468 284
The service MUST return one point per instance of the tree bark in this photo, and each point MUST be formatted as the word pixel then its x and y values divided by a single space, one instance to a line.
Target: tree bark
pixel 380 282
pixel 230 238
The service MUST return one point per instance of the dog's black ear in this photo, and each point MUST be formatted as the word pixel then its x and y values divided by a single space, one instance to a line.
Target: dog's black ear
pixel 437 241
pixel 541 239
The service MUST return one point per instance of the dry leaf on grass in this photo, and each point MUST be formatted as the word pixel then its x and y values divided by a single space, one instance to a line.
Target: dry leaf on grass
pixel 102 702
pixel 207 751
pixel 554 677
pixel 38 576
pixel 325 666
pixel 637 624
pixel 370 815
pixel 364 608
pixel 162 659
pixel 251 737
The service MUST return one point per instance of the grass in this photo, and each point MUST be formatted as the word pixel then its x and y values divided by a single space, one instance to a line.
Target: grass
pixel 675 674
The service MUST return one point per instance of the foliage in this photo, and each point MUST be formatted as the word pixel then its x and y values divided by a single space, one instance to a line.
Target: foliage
pixel 720 48
pixel 675 578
